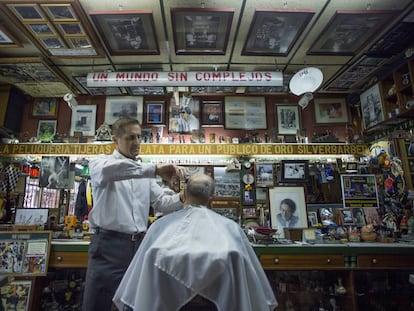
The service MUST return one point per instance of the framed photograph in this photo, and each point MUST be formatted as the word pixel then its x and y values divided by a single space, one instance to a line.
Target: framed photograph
pixel 31 216
pixel 264 174
pixel 96 91
pixel 127 32
pixel 24 253
pixel 354 76
pixel 229 212
pixel 84 120
pixel 359 216
pixel 227 184
pixel 79 42
pixel 371 216
pixel 184 118
pixel 46 130
pixel 352 167
pixel 294 171
pixel 371 106
pixel 154 112
pixel 274 32
pixel 330 111
pixel 313 218
pixel 349 30
pixel 17 294
pixel 7 40
pixel 45 108
pixel 150 90
pixel 123 106
pixel 27 12
pixel 212 113
pixel 245 112
pixel 54 172
pixel 71 29
pixel 52 43
pixel 60 12
pixel 359 190
pixel 287 208
pixel 346 216
pixel 201 31
pixel 288 119
pixel 43 29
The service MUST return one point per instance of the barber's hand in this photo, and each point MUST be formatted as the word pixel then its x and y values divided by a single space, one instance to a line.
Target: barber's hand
pixel 169 172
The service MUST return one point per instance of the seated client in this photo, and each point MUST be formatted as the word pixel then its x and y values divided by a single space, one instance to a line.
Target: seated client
pixel 195 259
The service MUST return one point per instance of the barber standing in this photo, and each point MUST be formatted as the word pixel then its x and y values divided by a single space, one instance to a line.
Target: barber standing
pixel 123 191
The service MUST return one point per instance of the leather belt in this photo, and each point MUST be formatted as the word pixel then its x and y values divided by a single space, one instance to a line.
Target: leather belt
pixel 128 236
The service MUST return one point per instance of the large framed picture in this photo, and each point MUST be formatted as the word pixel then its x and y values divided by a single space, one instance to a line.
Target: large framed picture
pixel 371 106
pixel 245 112
pixel 123 106
pixel 359 190
pixel 294 171
pixel 287 208
pixel 212 113
pixel 46 130
pixel 24 253
pixel 17 294
pixel 55 172
pixel 45 108
pixel 127 32
pixel 227 184
pixel 288 119
pixel 274 32
pixel 7 40
pixel 264 174
pixel 330 110
pixel 184 118
pixel 83 120
pixel 201 31
pixel 349 30
pixel 154 112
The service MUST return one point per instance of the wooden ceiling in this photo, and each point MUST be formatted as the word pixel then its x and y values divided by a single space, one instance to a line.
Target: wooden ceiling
pixel 48 47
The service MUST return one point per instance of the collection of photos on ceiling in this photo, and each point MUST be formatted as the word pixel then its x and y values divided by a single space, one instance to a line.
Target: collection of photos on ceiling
pixel 190 116
pixel 64 29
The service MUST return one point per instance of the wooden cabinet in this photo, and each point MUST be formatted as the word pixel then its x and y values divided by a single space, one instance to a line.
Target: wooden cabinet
pixel 295 262
pixel 68 260
pixel 397 89
pixel 350 276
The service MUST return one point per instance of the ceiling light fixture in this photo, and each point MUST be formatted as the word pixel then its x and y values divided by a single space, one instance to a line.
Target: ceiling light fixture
pixel 306 81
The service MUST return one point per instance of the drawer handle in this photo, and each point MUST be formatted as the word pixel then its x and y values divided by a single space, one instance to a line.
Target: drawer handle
pixel 59 258
pixel 374 261
pixel 328 260
pixel 276 260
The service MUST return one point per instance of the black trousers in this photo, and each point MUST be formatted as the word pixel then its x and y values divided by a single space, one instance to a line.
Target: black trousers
pixel 109 258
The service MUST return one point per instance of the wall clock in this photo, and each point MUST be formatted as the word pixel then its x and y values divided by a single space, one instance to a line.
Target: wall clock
pixel 248 178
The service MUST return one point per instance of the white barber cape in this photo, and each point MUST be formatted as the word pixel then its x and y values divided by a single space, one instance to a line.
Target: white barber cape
pixel 195 251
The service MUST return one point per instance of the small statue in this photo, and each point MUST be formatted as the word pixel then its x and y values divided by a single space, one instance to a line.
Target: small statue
pixel 103 133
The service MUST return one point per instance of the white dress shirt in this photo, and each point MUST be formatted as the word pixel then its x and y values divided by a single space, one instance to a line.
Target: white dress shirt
pixel 123 191
pixel 195 251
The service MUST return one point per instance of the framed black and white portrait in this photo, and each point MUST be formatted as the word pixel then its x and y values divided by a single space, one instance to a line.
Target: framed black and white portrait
pixel 288 119
pixel 287 208
pixel 371 106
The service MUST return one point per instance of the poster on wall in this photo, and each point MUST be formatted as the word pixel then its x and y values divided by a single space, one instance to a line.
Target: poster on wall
pixel 359 191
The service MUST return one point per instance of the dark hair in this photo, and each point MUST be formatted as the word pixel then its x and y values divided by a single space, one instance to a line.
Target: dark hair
pixel 118 128
pixel 290 204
